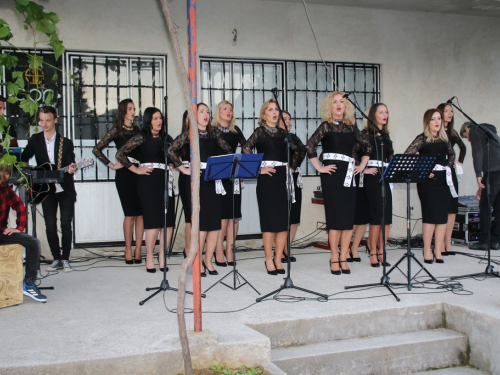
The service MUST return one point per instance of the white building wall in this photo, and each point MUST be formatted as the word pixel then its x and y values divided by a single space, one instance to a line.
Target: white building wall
pixel 426 58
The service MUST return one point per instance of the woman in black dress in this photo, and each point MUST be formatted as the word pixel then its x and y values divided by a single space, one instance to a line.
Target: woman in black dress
pixel 338 135
pixel 185 185
pixel 223 124
pixel 435 193
pixel 148 146
pixel 210 193
pixel 125 180
pixel 269 140
pixel 372 187
pixel 297 181
pixel 448 121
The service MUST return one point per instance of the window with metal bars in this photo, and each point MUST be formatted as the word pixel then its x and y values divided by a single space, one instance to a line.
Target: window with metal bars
pixel 304 84
pixel 103 80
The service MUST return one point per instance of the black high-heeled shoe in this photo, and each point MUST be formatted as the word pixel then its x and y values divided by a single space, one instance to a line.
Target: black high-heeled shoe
pixel 347 271
pixel 273 272
pixel 352 258
pixel 163 269
pixel 429 261
pixel 220 264
pixel 332 271
pixel 214 272
pixel 280 271
pixel 231 263
pixel 151 270
pixel 374 264
pixel 387 264
pixel 436 259
pixel 446 253
pixel 131 261
pixel 137 261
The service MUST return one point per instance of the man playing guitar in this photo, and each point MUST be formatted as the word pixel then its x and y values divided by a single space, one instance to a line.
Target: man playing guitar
pixel 49 147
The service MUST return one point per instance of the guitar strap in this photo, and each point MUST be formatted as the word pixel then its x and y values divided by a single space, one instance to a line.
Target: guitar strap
pixel 59 154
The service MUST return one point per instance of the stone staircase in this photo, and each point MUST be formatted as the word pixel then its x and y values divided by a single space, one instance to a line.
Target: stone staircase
pixel 394 341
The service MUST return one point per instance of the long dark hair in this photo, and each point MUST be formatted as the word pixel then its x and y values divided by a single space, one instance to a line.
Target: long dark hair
pixel 146 122
pixel 209 125
pixel 450 131
pixel 120 114
pixel 186 123
pixel 371 115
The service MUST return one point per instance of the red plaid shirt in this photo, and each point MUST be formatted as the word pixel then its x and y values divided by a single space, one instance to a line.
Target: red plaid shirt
pixel 9 199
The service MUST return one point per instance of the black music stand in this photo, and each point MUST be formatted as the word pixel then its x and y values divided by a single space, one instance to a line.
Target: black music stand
pixel 408 169
pixel 233 166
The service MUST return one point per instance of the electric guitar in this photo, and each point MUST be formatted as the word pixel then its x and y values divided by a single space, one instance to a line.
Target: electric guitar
pixel 39 192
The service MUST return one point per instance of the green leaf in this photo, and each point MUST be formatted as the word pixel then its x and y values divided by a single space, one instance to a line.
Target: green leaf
pixel 52 17
pixel 3 124
pixel 5 33
pixel 57 45
pixel 35 61
pixel 18 79
pixel 12 88
pixel 21 5
pixel 34 12
pixel 8 159
pixel 8 60
pixel 12 99
pixel 45 26
pixel 55 77
pixel 28 106
pixel 49 97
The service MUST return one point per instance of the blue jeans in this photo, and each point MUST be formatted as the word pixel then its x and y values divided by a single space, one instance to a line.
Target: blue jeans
pixel 33 248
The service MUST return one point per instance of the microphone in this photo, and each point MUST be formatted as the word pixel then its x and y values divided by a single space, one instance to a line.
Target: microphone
pixel 346 95
pixel 451 100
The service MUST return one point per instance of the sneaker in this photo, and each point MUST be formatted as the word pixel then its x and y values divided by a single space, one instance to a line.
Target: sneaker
pixel 56 265
pixel 65 266
pixel 33 292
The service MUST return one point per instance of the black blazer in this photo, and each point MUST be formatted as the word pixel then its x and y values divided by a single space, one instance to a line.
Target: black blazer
pixel 36 146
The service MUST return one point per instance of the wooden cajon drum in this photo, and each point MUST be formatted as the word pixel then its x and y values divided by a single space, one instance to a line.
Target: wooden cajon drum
pixel 11 275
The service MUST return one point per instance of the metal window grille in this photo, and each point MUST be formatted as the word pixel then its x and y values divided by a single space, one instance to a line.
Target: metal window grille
pixel 103 80
pixel 304 84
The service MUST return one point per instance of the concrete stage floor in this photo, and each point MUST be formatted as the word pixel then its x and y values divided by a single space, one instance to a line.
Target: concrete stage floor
pixel 93 314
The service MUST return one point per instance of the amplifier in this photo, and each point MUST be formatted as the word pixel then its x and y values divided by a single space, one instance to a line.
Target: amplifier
pixel 467 228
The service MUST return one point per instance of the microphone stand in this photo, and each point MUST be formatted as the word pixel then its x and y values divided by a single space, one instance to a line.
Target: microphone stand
pixel 288 284
pixel 384 281
pixel 489 136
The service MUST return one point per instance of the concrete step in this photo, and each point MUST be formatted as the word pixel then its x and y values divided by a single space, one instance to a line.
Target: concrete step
pixel 351 325
pixel 453 371
pixel 383 355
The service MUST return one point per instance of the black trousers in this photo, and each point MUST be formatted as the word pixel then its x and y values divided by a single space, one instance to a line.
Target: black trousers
pixel 66 206
pixel 494 180
pixel 33 247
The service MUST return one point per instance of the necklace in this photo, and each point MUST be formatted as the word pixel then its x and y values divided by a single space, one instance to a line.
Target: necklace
pixel 202 131
pixel 155 135
pixel 127 127
pixel 223 129
pixel 271 129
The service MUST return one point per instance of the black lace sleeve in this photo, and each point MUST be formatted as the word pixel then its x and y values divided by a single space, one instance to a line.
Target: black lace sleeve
pixel 363 138
pixel 416 145
pixel 241 138
pixel 105 141
pixel 226 147
pixel 451 155
pixel 251 142
pixel 127 148
pixel 315 139
pixel 175 149
pixel 463 149
pixel 301 150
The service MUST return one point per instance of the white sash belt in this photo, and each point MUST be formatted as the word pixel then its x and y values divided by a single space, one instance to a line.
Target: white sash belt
pixel 171 182
pixel 449 179
pixel 300 183
pixel 219 188
pixel 133 161
pixel 350 169
pixel 289 176
pixel 186 164
pixel 238 185
pixel 371 164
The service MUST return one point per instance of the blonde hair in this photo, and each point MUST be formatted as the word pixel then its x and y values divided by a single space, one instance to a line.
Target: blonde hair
pixel 5 169
pixel 216 118
pixel 326 109
pixel 427 120
pixel 262 119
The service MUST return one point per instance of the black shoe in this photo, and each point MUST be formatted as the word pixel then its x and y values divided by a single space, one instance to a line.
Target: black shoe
pixel 214 272
pixel 347 271
pixel 138 261
pixel 220 264
pixel 131 261
pixel 353 259
pixel 231 263
pixel 429 261
pixel 334 272
pixel 203 274
pixel 285 259
pixel 273 272
pixel 151 270
pixel 386 263
pixel 280 271
pixel 436 259
pixel 374 264
pixel 163 269
pixel 480 245
pixel 446 253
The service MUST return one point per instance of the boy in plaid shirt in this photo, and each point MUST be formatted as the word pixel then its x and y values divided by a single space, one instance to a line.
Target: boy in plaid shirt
pixel 9 236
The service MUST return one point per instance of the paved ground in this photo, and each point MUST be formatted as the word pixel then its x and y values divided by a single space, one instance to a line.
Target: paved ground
pixel 94 312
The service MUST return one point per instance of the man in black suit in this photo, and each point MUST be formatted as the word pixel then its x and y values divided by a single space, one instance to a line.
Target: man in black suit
pixel 49 147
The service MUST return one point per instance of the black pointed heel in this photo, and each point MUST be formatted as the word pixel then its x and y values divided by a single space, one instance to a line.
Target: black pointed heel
pixel 436 259
pixel 387 264
pixel 352 258
pixel 347 271
pixel 151 270
pixel 273 272
pixel 332 271
pixel 131 261
pixel 214 272
pixel 374 264
pixel 428 261
pixel 220 264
